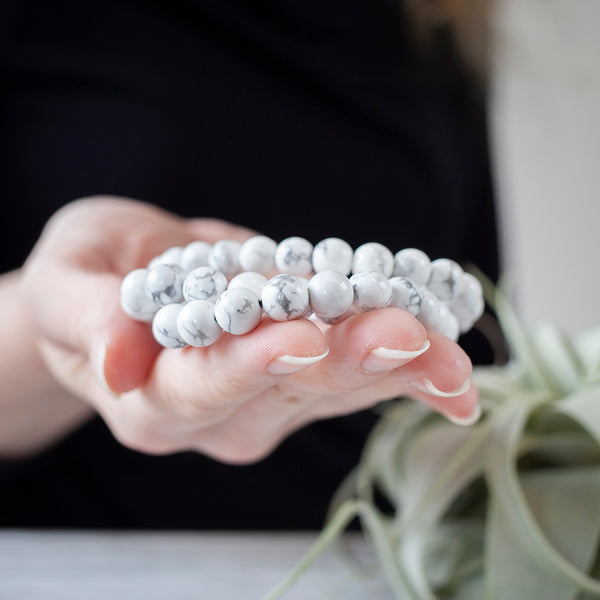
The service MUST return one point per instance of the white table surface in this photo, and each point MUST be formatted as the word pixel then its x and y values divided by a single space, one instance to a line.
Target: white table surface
pixel 53 565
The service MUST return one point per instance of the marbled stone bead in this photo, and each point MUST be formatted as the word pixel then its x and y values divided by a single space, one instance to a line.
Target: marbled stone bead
pixel 237 310
pixel 413 264
pixel 204 283
pixel 224 257
pixel 468 305
pixel 293 256
pixel 196 324
pixel 446 279
pixel 195 255
pixel 330 294
pixel 285 297
pixel 372 290
pixel 164 283
pixel 164 326
pixel 258 255
pixel 135 302
pixel 405 295
pixel 436 316
pixel 373 256
pixel 249 280
pixel 332 254
pixel 171 256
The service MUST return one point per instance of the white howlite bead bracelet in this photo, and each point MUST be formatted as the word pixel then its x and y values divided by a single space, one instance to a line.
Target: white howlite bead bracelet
pixel 193 294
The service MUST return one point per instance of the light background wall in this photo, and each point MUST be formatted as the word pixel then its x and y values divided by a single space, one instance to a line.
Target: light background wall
pixel 545 121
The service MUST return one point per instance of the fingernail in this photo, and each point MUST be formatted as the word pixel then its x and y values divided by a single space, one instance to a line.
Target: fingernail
pixel 426 385
pixel 287 364
pixel 466 421
pixel 383 359
pixel 98 363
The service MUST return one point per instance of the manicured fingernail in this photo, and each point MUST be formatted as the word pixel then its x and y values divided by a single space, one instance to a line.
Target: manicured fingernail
pixel 287 364
pixel 98 362
pixel 383 359
pixel 466 421
pixel 426 385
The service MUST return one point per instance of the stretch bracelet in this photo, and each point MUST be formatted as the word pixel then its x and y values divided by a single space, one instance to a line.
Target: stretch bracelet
pixel 192 295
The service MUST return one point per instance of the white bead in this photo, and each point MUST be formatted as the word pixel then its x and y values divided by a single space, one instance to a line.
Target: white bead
pixel 164 283
pixel 258 254
pixel 413 264
pixel 373 257
pixel 285 297
pixel 293 257
pixel 171 256
pixel 224 257
pixel 249 280
pixel 330 294
pixel 405 295
pixel 237 310
pixel 195 255
pixel 446 279
pixel 372 290
pixel 196 324
pixel 332 254
pixel 469 304
pixel 436 316
pixel 135 302
pixel 204 283
pixel 164 326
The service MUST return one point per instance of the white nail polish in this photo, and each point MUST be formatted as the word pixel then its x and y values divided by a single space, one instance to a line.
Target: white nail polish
pixel 383 359
pixel 98 365
pixel 287 364
pixel 426 385
pixel 466 421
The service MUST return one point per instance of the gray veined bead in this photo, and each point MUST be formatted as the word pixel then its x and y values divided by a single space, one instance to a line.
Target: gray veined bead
pixel 372 290
pixel 293 256
pixel 405 295
pixel 195 255
pixel 258 255
pixel 373 257
pixel 285 297
pixel 446 279
pixel 330 294
pixel 413 264
pixel 170 256
pixel 332 254
pixel 436 316
pixel 164 326
pixel 196 324
pixel 204 283
pixel 164 283
pixel 224 257
pixel 135 302
pixel 249 280
pixel 237 310
pixel 468 305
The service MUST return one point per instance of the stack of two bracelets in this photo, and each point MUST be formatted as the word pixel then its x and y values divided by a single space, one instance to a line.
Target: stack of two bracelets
pixel 193 294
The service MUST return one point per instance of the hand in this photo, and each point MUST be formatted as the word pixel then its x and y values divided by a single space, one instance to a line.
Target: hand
pixel 234 400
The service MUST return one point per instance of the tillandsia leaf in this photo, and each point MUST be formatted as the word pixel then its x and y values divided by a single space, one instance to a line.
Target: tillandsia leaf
pixel 574 533
pixel 508 498
pixel 584 408
pixel 496 384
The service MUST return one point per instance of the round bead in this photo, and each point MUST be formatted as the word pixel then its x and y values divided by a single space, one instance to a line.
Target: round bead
pixel 224 257
pixel 135 302
pixel 446 279
pixel 332 254
pixel 436 316
pixel 469 304
pixel 285 297
pixel 249 280
pixel 204 283
pixel 405 295
pixel 372 290
pixel 237 310
pixel 373 257
pixel 413 264
pixel 195 255
pixel 164 283
pixel 196 324
pixel 331 294
pixel 293 257
pixel 258 254
pixel 164 326
pixel 170 256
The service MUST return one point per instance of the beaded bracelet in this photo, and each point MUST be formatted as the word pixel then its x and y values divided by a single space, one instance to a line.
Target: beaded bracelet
pixel 193 294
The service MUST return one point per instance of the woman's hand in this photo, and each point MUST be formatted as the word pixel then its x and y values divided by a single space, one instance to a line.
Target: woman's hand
pixel 234 400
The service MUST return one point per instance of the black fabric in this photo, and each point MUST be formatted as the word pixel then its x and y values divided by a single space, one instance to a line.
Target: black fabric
pixel 313 118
